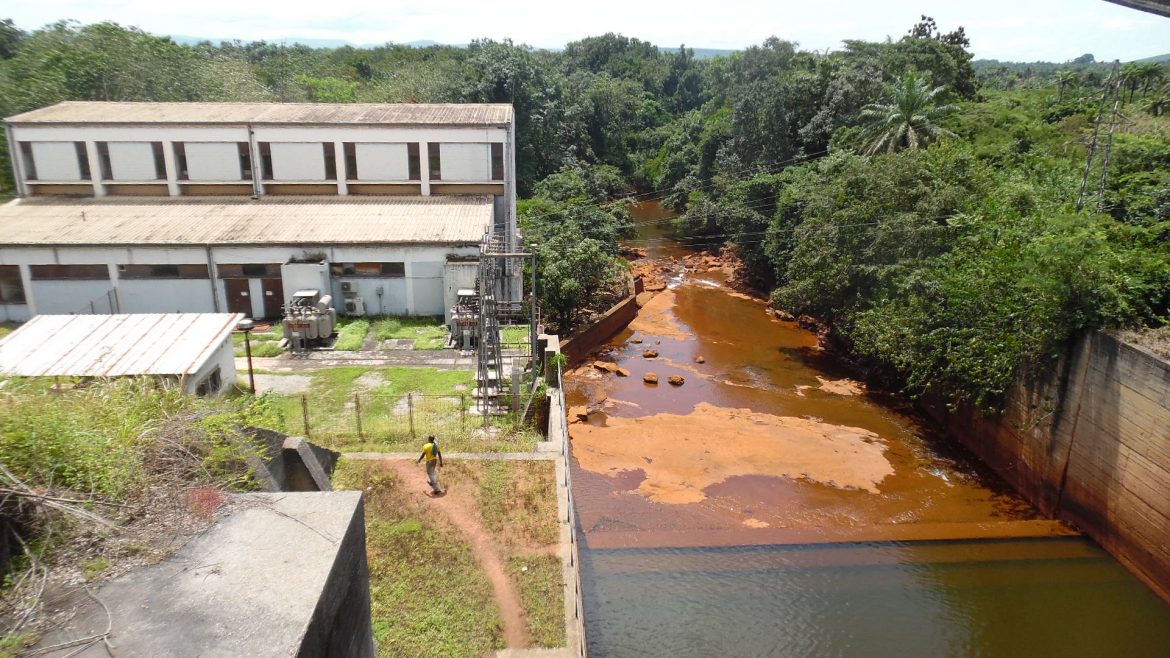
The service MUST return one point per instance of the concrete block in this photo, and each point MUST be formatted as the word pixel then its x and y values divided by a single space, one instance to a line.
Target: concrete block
pixel 278 575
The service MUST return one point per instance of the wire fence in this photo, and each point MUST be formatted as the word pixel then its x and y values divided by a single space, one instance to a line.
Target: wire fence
pixel 393 419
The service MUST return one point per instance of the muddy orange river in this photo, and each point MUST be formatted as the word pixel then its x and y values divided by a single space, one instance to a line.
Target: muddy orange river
pixel 773 506
pixel 765 433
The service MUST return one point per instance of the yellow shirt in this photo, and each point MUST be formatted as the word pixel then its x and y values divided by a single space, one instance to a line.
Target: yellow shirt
pixel 429 451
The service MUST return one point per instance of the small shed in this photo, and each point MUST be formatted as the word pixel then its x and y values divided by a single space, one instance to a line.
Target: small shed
pixel 193 349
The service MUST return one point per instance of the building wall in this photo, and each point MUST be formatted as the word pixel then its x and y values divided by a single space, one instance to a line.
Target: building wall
pixel 223 358
pixel 1089 443
pixel 14 313
pixel 419 292
pixel 165 296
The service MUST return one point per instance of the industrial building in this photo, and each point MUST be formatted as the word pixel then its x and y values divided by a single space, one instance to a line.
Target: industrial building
pixel 193 350
pixel 215 207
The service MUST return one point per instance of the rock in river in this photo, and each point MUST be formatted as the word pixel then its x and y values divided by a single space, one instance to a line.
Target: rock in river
pixel 650 378
pixel 676 380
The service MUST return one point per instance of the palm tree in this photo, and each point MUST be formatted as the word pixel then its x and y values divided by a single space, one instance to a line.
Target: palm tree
pixel 1150 74
pixel 909 120
pixel 1158 104
pixel 1065 79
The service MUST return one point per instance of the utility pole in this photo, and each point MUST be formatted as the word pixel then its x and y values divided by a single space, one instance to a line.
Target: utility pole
pixel 1112 84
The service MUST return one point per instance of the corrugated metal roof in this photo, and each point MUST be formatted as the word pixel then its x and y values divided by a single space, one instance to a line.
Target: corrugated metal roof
pixel 89 112
pixel 114 345
pixel 269 220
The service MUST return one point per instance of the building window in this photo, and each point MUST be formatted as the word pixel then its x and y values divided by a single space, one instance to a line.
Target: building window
pixel 497 161
pixel 265 161
pixel 162 271
pixel 26 158
pixel 412 161
pixel 160 162
pixel 330 160
pixel 181 159
pixel 249 271
pixel 103 149
pixel 210 384
pixel 11 287
pixel 82 160
pixel 69 272
pixel 386 269
pixel 436 167
pixel 351 170
pixel 245 161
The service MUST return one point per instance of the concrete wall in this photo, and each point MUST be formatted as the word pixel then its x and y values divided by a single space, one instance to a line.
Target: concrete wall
pixel 585 341
pixel 1089 443
pixel 223 358
pixel 165 296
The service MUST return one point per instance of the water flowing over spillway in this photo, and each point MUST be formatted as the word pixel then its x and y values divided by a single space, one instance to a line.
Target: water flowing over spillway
pixel 772 506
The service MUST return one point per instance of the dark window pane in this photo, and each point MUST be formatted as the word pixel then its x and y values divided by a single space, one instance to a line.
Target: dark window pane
pixel 82 160
pixel 11 287
pixel 245 161
pixel 330 160
pixel 69 272
pixel 103 150
pixel 181 159
pixel 497 161
pixel 30 165
pixel 436 168
pixel 266 161
pixel 351 170
pixel 160 163
pixel 413 163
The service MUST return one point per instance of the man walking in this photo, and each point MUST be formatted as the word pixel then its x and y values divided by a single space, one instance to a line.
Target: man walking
pixel 434 458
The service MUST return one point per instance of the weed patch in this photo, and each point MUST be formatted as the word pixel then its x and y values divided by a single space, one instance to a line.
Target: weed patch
pixel 428 333
pixel 351 334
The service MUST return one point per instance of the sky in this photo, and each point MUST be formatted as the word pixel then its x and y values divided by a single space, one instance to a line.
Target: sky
pixel 1017 30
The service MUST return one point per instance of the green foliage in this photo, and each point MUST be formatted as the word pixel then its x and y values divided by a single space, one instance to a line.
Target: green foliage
pixel 99 438
pixel 908 121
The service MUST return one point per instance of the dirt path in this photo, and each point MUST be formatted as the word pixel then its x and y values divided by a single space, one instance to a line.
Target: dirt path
pixel 461 511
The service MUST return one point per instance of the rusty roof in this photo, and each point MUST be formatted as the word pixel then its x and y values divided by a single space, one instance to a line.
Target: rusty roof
pixel 265 221
pixel 114 345
pixel 99 112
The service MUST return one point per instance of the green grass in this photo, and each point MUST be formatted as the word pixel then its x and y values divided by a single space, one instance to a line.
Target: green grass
pixel 264 343
pixel 435 407
pixel 351 334
pixel 540 581
pixel 427 593
pixel 517 504
pixel 428 333
pixel 515 335
pixel 7 328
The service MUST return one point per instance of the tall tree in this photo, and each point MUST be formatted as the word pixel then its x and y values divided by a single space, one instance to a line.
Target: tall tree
pixel 908 121
pixel 1064 80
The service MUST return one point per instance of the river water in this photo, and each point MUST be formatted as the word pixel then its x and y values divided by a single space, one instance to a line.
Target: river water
pixel 770 506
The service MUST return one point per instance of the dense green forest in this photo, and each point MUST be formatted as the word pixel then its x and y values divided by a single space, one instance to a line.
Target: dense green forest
pixel 926 209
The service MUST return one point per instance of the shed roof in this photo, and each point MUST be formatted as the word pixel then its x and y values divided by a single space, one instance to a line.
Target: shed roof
pixel 114 345
pixel 265 221
pixel 101 112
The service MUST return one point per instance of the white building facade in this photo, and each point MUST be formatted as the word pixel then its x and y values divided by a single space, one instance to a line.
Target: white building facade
pixel 195 207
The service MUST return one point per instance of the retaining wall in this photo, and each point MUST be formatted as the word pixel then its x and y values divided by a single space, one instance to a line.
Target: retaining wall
pixel 1089 444
pixel 585 342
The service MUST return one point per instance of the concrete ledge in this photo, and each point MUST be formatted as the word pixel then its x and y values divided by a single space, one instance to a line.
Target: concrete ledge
pixel 278 575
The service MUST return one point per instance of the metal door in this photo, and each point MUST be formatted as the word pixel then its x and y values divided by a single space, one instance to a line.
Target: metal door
pixel 273 304
pixel 239 300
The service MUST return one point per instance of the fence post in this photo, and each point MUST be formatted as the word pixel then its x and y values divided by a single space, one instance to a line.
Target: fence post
pixel 305 413
pixel 410 412
pixel 462 413
pixel 357 410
